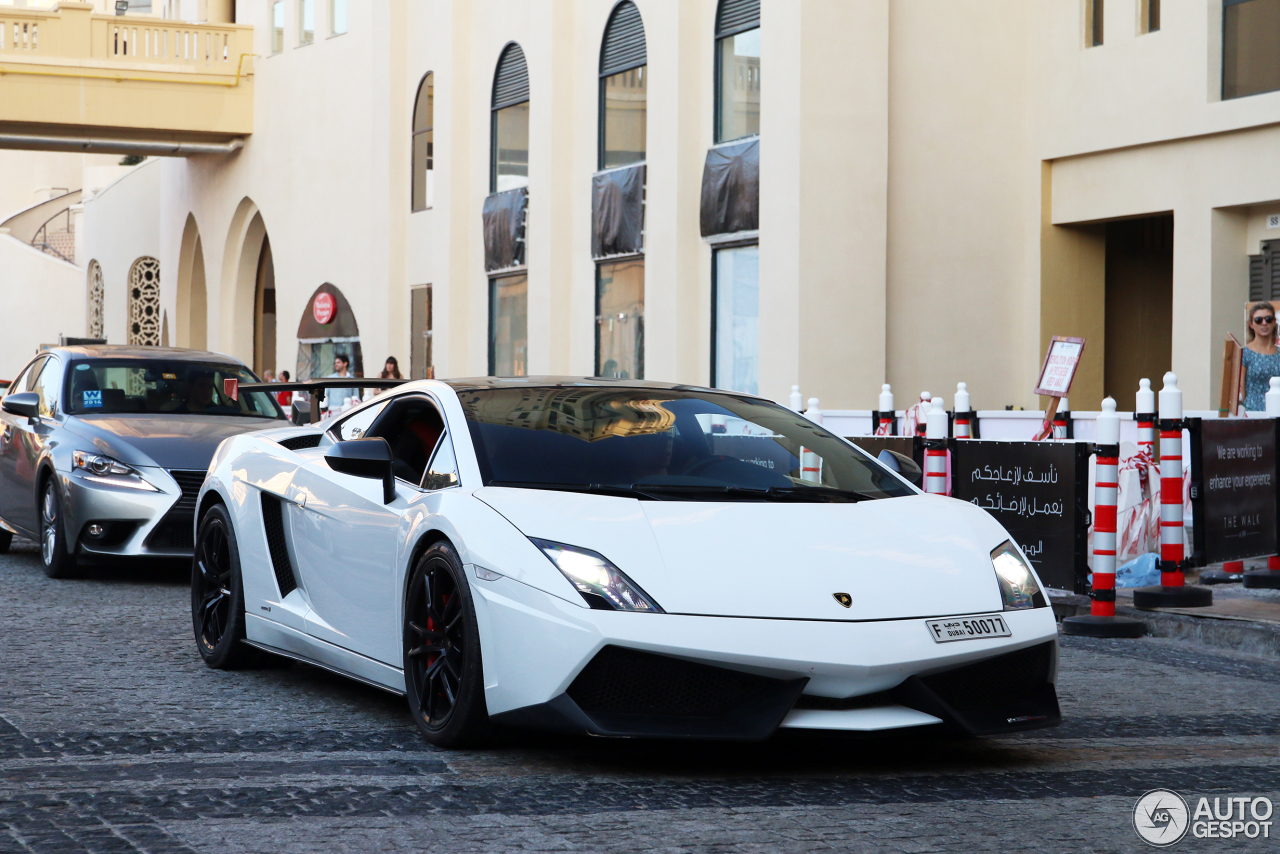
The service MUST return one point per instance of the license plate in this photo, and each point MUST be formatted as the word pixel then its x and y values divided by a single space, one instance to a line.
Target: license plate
pixel 968 628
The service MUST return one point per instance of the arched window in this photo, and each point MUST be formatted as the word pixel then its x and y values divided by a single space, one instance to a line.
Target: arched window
pixel 737 69
pixel 144 303
pixel 424 144
pixel 509 159
pixel 623 88
pixel 96 291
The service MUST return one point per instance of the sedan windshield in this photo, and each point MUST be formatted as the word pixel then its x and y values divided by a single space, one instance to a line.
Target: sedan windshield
pixel 119 386
pixel 664 445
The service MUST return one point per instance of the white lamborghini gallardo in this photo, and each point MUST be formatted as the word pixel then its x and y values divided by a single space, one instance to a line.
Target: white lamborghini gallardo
pixel 620 558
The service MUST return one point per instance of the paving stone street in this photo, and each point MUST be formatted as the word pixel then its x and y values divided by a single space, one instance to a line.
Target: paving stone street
pixel 114 737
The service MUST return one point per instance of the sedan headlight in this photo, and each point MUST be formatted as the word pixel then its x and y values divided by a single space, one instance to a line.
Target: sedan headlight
pixel 1018 587
pixel 602 584
pixel 104 469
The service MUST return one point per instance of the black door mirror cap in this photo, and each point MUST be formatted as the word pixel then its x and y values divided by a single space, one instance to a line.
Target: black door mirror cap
pixel 903 465
pixel 370 457
pixel 23 403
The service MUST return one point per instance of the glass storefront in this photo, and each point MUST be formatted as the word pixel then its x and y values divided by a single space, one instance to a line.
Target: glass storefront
pixel 509 326
pixel 620 319
pixel 736 338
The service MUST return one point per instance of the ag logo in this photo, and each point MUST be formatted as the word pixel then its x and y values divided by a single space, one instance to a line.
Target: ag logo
pixel 844 599
pixel 1161 817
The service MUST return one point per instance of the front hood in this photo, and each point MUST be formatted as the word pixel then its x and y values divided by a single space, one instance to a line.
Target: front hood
pixel 918 556
pixel 169 441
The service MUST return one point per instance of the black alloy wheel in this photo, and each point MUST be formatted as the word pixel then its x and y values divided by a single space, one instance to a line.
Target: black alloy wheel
pixel 443 671
pixel 59 562
pixel 217 595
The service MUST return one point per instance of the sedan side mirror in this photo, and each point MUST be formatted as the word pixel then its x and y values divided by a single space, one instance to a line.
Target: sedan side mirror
pixel 903 465
pixel 24 403
pixel 369 458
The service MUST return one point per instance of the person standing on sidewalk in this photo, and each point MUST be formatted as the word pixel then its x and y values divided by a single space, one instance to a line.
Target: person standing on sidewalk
pixel 336 398
pixel 1261 356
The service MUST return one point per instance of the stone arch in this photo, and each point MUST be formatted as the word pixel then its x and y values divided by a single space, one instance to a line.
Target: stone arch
pixel 191 316
pixel 144 303
pixel 241 268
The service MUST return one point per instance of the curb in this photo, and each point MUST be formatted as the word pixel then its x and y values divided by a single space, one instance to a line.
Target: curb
pixel 1248 636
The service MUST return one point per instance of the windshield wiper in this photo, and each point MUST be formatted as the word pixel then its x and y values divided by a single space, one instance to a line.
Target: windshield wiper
pixel 590 488
pixel 816 493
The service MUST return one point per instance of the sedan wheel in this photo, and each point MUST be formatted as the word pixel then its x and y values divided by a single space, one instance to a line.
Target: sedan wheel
pixel 443 673
pixel 217 595
pixel 58 561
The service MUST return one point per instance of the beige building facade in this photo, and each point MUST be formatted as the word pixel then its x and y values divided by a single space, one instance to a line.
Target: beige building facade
pixel 913 192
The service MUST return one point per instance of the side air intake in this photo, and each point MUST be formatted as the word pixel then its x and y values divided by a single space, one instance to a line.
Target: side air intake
pixel 273 524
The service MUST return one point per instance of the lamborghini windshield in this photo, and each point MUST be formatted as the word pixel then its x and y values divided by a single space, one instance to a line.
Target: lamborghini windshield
pixel 664 445
pixel 119 386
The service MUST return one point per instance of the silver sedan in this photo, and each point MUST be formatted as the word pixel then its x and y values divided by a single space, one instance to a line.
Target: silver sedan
pixel 103 449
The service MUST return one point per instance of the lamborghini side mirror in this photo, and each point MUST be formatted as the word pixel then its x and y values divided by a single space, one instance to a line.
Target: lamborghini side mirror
pixel 369 458
pixel 903 465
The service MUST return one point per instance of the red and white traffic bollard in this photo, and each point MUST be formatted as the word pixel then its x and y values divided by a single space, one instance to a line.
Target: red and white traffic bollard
pixel 935 448
pixel 810 462
pixel 1145 414
pixel 964 423
pixel 1101 621
pixel 884 419
pixel 1269 577
pixel 1060 417
pixel 1172 592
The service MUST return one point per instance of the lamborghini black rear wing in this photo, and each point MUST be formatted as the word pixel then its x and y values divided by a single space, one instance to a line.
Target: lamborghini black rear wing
pixel 316 388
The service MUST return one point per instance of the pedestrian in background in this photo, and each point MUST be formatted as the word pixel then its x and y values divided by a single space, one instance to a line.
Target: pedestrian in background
pixel 336 398
pixel 284 397
pixel 1261 356
pixel 390 371
pixel 269 376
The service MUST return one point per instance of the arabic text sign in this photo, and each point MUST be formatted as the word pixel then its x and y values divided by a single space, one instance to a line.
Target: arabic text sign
pixel 1060 366
pixel 1031 489
pixel 1239 482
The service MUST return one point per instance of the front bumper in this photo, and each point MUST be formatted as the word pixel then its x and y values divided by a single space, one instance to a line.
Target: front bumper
pixel 138 522
pixel 671 675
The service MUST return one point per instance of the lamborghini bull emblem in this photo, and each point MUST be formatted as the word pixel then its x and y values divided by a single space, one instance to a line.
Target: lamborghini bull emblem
pixel 844 599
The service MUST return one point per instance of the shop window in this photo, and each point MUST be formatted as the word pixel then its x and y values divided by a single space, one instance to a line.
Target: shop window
pixel 424 144
pixel 306 22
pixel 1093 21
pixel 144 303
pixel 1250 47
pixel 1149 15
pixel 623 88
pixel 337 17
pixel 277 26
pixel 509 326
pixel 737 69
pixel 509 154
pixel 735 318
pixel 421 364
pixel 620 319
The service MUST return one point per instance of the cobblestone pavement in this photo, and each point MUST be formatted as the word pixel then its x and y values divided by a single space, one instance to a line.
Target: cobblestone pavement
pixel 114 737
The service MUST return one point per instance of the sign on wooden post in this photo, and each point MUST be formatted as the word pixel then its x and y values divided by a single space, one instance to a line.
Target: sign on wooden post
pixel 1057 373
pixel 1232 395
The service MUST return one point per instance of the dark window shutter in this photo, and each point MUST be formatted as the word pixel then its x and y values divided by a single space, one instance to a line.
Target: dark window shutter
pixel 623 46
pixel 1257 277
pixel 1271 280
pixel 735 16
pixel 511 80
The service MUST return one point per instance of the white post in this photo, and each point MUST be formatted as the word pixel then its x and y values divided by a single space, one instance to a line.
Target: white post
pixel 1171 532
pixel 1273 398
pixel 813 413
pixel 1106 490
pixel 964 430
pixel 935 448
pixel 887 419
pixel 1060 416
pixel 797 402
pixel 1144 412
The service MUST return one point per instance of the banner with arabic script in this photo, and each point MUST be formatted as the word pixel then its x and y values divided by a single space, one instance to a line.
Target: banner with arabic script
pixel 1038 492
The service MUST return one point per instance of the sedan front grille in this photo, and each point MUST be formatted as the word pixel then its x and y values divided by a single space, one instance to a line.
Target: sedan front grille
pixel 189 482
